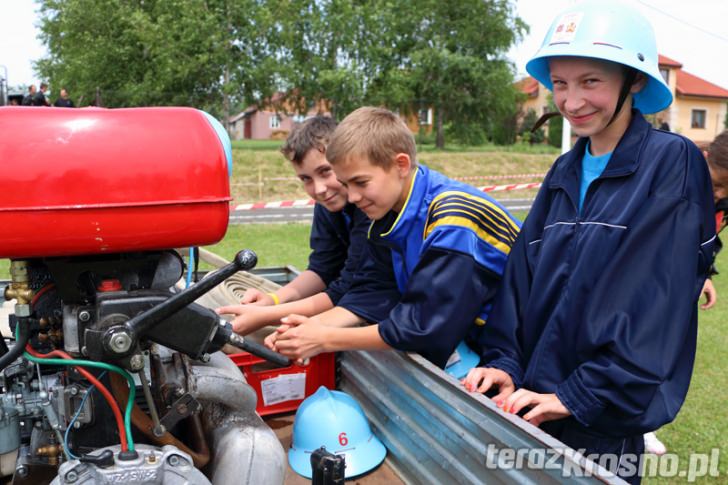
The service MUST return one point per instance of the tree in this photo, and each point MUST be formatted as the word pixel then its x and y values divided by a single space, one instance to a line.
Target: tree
pixel 215 54
pixel 556 125
pixel 446 55
pixel 452 55
pixel 164 52
pixel 529 120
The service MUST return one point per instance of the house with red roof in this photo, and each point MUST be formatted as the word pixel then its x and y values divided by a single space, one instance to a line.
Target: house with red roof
pixel 698 110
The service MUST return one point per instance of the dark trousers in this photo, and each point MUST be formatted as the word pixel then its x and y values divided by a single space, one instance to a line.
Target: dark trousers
pixel 625 454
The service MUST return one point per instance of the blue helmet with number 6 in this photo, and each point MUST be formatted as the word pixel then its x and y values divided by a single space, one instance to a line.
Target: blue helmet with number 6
pixel 335 420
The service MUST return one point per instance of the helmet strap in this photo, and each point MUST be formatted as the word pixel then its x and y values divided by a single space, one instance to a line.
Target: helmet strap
pixel 629 77
pixel 543 119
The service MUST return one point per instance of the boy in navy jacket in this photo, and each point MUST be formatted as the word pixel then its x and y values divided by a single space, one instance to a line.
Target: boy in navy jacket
pixel 593 333
pixel 338 241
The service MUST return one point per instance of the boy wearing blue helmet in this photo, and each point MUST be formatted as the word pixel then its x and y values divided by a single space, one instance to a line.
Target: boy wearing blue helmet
pixel 593 333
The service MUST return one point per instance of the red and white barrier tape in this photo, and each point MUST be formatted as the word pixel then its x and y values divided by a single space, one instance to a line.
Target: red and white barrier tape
pixel 464 179
pixel 308 202
pixel 502 177
pixel 499 188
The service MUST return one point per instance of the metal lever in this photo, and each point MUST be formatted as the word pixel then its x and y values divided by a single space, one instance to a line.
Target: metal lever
pixel 244 260
pixel 119 339
pixel 259 350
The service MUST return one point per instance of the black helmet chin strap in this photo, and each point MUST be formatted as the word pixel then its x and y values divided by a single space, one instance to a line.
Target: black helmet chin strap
pixel 629 77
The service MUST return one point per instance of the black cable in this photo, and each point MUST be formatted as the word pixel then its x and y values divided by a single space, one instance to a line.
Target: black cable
pixel 17 349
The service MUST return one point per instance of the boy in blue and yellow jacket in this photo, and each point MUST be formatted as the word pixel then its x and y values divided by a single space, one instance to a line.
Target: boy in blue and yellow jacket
pixel 448 241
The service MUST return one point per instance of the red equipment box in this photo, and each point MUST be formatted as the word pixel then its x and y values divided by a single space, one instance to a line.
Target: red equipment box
pixel 95 181
pixel 282 389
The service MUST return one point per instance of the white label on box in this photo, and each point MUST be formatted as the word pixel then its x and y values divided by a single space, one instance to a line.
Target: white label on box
pixel 286 387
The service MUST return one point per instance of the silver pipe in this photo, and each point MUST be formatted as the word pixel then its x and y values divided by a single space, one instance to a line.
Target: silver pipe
pixel 158 429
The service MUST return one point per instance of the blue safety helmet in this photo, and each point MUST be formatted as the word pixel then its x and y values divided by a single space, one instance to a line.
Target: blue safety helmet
pixel 224 138
pixel 335 420
pixel 461 361
pixel 611 31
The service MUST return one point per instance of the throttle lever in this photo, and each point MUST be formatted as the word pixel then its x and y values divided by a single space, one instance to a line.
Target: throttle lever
pixel 119 339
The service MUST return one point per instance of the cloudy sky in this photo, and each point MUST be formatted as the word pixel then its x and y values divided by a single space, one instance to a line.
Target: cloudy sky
pixel 693 33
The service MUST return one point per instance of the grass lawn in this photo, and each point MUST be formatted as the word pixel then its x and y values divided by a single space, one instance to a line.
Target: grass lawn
pixel 260 173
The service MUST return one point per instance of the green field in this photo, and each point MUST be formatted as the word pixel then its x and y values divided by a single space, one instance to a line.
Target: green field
pixel 260 173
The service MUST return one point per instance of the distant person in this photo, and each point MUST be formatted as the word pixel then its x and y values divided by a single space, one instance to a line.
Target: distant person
pixel 28 98
pixel 64 101
pixel 13 102
pixel 716 155
pixel 664 126
pixel 39 98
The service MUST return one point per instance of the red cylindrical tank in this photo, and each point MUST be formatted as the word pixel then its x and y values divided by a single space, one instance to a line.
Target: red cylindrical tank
pixel 94 180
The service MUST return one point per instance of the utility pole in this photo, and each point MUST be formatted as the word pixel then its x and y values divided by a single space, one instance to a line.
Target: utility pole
pixel 4 86
pixel 565 137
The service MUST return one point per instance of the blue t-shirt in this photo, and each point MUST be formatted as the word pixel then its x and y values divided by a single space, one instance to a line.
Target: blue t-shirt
pixel 591 168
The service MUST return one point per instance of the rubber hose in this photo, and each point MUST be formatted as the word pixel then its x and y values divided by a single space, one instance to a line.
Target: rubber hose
pixel 144 424
pixel 17 349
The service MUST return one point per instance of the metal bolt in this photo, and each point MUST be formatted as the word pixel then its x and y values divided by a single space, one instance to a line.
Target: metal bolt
pixel 77 424
pixel 22 471
pixel 84 316
pixel 73 390
pixel 71 476
pixel 84 351
pixel 179 392
pixel 205 358
pixel 136 362
pixel 121 342
pixel 173 460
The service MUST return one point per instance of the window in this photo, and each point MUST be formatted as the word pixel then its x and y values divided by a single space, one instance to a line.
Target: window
pixel 424 116
pixel 665 74
pixel 697 120
pixel 299 118
pixel 274 122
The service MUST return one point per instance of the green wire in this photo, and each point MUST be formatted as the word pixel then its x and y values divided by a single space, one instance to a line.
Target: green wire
pixel 98 365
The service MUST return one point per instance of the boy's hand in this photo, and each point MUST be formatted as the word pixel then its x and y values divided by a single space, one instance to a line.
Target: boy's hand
pixel 304 338
pixel 256 297
pixel 247 317
pixel 270 340
pixel 711 296
pixel 544 407
pixel 481 379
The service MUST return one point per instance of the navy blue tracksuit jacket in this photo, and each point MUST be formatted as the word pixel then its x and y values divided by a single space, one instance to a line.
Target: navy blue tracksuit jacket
pixel 599 307
pixel 338 246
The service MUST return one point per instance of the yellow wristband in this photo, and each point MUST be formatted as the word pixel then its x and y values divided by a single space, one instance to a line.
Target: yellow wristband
pixel 276 300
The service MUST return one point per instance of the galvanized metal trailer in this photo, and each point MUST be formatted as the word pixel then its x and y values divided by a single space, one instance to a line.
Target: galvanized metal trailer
pixel 436 432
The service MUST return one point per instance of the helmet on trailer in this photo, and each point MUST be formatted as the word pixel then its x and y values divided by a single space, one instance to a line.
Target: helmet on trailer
pixel 461 361
pixel 335 420
pixel 610 31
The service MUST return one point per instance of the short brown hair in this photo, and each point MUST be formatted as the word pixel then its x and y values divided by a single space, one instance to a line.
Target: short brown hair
pixel 313 133
pixel 718 151
pixel 376 133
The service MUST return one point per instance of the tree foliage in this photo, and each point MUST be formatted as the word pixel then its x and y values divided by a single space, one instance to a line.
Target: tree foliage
pixel 406 55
